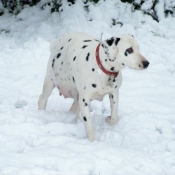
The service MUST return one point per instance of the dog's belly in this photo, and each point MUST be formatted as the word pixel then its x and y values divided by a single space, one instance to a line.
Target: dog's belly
pixel 66 88
pixel 98 97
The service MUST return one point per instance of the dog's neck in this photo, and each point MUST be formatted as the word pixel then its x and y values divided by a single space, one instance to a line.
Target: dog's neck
pixel 109 63
pixel 107 72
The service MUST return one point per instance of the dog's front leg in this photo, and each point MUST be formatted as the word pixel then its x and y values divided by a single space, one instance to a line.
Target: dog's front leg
pixel 114 97
pixel 84 107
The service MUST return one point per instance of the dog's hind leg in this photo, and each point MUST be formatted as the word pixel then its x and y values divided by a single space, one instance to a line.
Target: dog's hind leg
pixel 75 109
pixel 47 89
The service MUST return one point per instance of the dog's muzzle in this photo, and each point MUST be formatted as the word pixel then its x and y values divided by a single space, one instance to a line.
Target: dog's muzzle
pixel 145 64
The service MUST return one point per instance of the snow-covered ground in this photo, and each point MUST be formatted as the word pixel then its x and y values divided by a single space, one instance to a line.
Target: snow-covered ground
pixel 48 142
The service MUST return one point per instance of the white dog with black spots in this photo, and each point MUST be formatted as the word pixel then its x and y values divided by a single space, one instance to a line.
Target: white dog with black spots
pixel 83 68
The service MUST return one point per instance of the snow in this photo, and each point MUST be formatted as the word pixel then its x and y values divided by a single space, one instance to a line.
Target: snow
pixel 159 8
pixel 49 142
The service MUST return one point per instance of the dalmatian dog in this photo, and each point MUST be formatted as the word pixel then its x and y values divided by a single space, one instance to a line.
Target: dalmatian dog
pixel 83 68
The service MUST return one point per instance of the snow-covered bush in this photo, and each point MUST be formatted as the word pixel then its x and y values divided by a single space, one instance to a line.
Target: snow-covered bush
pixel 1 8
pixel 15 6
pixel 56 5
pixel 158 9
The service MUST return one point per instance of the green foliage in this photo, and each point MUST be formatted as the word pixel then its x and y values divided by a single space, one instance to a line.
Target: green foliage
pixel 114 22
pixel 129 1
pixel 71 1
pixel 168 10
pixel 94 1
pixel 1 12
pixel 56 6
pixel 14 6
pixel 156 34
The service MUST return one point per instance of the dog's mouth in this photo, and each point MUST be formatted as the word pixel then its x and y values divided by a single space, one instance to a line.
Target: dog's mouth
pixel 139 67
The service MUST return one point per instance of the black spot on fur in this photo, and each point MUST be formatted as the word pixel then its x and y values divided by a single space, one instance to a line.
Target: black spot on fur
pixel 69 40
pixel 110 41
pixel 53 62
pixel 86 104
pixel 93 69
pixel 97 40
pixel 112 68
pixel 58 55
pixel 94 85
pixel 126 54
pixel 102 45
pixel 123 64
pixel 106 60
pixel 61 48
pixel 115 86
pixel 114 80
pixel 87 57
pixel 74 58
pixel 110 96
pixel 83 100
pixel 84 118
pixel 111 60
pixel 73 79
pixel 62 63
pixel 117 40
pixel 84 46
pixel 87 40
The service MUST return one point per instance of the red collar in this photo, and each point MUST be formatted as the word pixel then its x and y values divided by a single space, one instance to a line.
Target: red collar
pixel 115 74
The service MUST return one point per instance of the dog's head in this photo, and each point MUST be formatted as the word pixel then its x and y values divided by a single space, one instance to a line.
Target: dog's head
pixel 124 51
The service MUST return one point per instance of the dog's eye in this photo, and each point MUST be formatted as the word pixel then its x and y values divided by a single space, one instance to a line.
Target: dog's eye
pixel 129 50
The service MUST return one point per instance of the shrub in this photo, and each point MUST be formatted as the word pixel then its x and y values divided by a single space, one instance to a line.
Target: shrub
pixel 15 6
pixel 157 9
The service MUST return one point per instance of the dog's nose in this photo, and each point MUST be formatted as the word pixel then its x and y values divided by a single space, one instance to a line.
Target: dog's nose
pixel 145 64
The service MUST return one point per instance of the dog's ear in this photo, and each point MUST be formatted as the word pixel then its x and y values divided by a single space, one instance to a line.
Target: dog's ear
pixel 110 41
pixel 116 41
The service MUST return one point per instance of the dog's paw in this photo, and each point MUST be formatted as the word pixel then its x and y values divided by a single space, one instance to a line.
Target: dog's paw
pixel 91 138
pixel 111 121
